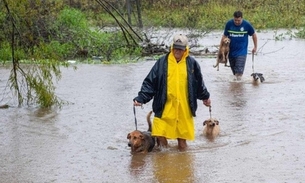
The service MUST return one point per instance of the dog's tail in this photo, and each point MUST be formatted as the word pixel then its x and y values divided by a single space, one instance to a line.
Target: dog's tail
pixel 149 121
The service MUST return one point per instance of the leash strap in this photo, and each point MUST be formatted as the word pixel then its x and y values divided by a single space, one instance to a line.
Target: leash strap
pixel 210 110
pixel 253 62
pixel 135 118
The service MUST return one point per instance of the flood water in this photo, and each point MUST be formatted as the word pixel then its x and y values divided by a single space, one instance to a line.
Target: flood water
pixel 262 126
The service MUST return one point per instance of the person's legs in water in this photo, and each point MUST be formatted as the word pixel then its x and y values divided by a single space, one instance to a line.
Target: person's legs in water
pixel 238 65
pixel 162 142
pixel 182 144
pixel 232 64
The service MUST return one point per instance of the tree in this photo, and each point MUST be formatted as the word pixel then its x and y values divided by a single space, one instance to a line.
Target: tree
pixel 31 83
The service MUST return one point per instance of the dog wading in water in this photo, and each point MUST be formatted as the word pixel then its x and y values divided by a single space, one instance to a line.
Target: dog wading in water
pixel 141 141
pixel 211 128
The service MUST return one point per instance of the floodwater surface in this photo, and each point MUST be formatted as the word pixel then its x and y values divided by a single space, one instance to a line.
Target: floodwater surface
pixel 262 125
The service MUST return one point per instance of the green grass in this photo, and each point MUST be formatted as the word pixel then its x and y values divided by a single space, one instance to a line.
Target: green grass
pixel 263 14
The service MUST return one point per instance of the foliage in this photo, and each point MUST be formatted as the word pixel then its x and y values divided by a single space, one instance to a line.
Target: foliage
pixel 301 33
pixel 72 18
pixel 85 41
pixel 26 35
pixel 33 83
pixel 42 37
pixel 5 52
pixel 263 14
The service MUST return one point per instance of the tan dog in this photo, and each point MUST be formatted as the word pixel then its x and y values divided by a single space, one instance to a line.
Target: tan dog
pixel 141 142
pixel 211 128
pixel 223 53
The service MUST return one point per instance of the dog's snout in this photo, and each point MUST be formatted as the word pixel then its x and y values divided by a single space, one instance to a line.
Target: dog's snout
pixel 212 124
pixel 129 144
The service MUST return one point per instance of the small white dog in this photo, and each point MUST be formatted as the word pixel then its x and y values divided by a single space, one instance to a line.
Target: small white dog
pixel 211 128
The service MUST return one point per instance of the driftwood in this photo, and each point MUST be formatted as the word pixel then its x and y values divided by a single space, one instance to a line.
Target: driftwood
pixel 203 52
pixel 5 106
pixel 154 49
pixel 150 49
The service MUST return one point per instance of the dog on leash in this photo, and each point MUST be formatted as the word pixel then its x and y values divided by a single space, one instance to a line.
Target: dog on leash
pixel 257 76
pixel 211 128
pixel 141 141
pixel 223 53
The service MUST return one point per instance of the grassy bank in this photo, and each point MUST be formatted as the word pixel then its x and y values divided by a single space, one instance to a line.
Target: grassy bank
pixel 263 14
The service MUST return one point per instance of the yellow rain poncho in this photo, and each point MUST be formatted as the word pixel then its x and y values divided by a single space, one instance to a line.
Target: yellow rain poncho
pixel 177 120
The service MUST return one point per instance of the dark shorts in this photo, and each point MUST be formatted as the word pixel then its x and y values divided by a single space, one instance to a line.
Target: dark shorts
pixel 237 64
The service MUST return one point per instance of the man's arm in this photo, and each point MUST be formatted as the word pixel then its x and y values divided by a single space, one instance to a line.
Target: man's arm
pixel 254 38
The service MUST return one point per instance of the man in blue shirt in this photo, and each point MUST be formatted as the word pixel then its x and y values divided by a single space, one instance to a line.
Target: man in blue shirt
pixel 238 31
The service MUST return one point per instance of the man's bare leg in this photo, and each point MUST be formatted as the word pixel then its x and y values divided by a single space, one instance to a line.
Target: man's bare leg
pixel 162 142
pixel 182 144
pixel 238 76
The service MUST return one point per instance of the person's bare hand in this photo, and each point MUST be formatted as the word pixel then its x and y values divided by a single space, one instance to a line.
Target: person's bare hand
pixel 136 103
pixel 207 102
pixel 254 50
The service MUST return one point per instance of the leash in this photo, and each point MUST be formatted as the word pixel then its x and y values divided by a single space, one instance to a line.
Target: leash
pixel 135 118
pixel 256 76
pixel 210 110
pixel 253 62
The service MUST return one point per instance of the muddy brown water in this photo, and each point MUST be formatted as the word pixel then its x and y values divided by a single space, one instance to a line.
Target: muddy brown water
pixel 262 126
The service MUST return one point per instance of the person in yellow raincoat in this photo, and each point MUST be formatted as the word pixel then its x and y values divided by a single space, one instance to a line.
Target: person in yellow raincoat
pixel 174 83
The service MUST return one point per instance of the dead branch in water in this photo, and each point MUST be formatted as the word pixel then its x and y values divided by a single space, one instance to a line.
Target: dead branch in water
pixel 261 49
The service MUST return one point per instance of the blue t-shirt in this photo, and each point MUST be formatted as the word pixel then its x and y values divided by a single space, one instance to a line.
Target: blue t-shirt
pixel 239 37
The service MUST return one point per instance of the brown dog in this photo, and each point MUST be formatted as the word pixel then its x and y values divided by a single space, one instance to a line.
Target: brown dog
pixel 211 128
pixel 223 53
pixel 141 142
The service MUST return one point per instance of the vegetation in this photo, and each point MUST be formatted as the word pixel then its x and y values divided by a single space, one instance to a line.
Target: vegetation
pixel 264 14
pixel 37 36
pixel 63 30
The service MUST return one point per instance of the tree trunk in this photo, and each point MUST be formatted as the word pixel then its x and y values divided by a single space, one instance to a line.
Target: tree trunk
pixel 138 4
pixel 128 5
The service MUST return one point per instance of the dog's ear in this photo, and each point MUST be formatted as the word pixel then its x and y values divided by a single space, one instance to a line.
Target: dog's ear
pixel 128 136
pixel 261 77
pixel 205 122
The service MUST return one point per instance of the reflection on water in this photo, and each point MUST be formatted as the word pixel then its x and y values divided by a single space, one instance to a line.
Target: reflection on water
pixel 137 164
pixel 45 114
pixel 236 94
pixel 173 167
